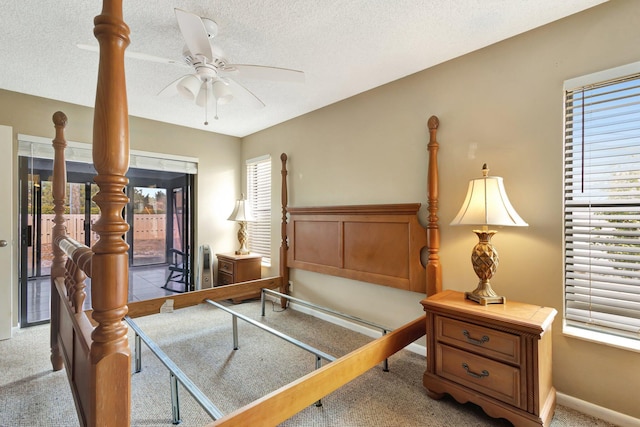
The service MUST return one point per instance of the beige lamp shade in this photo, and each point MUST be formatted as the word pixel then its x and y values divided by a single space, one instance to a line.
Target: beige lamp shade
pixel 487 203
pixel 241 212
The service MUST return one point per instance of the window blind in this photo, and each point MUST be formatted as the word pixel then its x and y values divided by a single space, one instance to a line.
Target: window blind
pixel 259 199
pixel 602 206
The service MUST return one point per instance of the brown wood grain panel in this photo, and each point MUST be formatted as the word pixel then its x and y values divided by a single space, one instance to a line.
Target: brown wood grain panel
pixel 317 242
pixel 377 247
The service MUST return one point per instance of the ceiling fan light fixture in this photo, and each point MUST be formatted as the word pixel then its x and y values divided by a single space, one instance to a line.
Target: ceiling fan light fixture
pixel 189 86
pixel 205 96
pixel 222 92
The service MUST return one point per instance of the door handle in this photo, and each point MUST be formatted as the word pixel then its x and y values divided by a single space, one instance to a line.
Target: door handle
pixel 3 243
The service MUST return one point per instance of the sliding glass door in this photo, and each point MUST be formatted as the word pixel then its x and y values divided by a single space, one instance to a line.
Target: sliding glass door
pixel 149 225
pixel 159 216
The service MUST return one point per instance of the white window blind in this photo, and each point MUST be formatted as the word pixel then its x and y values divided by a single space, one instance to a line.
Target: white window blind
pixel 259 199
pixel 602 206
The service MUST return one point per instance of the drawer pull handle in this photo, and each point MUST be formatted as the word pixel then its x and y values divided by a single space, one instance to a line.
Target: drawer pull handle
pixel 481 375
pixel 481 341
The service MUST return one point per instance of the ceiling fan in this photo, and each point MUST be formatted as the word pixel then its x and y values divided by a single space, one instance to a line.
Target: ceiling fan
pixel 212 80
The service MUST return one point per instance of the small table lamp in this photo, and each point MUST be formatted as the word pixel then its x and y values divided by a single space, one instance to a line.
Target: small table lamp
pixel 486 204
pixel 241 214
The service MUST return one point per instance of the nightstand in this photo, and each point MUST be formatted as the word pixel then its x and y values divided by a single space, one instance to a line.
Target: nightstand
pixel 234 268
pixel 497 356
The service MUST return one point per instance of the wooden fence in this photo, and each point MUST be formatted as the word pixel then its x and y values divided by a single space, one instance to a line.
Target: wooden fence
pixel 145 227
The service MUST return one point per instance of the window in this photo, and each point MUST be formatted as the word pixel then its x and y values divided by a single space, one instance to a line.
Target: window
pixel 259 199
pixel 602 203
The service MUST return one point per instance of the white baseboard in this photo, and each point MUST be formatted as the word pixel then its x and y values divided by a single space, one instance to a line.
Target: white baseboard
pixel 593 410
pixel 583 406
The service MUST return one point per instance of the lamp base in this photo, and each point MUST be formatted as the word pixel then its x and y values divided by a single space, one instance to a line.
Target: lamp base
pixel 242 238
pixel 485 263
pixel 484 300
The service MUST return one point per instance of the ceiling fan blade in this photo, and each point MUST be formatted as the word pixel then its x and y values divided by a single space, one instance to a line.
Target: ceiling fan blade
pixel 89 47
pixel 194 32
pixel 172 88
pixel 243 93
pixel 265 73
pixel 152 58
pixel 135 55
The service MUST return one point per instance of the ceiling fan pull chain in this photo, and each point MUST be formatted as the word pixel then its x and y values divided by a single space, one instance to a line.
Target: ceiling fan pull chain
pixel 206 107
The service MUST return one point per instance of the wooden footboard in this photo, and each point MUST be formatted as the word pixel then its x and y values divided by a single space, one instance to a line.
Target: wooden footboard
pixel 74 341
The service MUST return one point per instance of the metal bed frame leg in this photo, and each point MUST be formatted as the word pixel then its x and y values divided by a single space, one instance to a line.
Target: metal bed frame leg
pixel 235 332
pixel 175 403
pixel 318 366
pixel 138 353
pixel 385 364
pixel 262 301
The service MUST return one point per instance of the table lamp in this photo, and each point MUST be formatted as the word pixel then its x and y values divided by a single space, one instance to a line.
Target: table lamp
pixel 241 214
pixel 486 205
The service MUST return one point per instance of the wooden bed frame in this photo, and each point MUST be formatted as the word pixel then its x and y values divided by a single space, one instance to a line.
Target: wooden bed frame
pixel 93 345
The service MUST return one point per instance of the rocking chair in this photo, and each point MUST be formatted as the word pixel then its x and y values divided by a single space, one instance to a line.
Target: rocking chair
pixel 178 271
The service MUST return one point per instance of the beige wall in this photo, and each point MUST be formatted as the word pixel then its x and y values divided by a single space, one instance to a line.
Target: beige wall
pixel 501 105
pixel 217 183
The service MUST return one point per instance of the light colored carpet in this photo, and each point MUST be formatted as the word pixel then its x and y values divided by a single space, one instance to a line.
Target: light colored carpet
pixel 199 340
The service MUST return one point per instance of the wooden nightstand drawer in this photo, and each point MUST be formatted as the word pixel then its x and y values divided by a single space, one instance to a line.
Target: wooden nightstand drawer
pixel 224 278
pixel 489 342
pixel 487 376
pixel 225 266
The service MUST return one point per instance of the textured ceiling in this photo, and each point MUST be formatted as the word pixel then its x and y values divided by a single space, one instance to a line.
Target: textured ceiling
pixel 345 47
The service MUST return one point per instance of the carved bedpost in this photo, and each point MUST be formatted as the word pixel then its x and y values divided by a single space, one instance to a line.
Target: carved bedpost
pixel 434 269
pixel 284 245
pixel 110 355
pixel 59 229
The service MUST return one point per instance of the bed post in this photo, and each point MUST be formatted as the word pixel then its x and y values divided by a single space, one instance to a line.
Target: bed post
pixel 110 355
pixel 59 229
pixel 284 246
pixel 434 269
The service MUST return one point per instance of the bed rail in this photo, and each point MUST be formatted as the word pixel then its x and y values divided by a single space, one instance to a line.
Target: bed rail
pixel 285 402
pixel 188 299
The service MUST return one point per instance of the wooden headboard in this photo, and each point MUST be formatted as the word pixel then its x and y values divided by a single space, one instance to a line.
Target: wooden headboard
pixel 376 243
pixel 381 244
